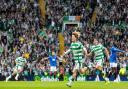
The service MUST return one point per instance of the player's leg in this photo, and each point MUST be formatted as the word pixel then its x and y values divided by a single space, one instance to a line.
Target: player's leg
pixel 116 73
pixel 114 70
pixel 51 72
pixel 99 68
pixel 14 72
pixel 20 69
pixel 82 71
pixel 105 75
pixel 73 77
pixel 97 72
pixel 55 73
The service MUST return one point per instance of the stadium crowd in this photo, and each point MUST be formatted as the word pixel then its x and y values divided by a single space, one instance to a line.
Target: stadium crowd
pixel 22 31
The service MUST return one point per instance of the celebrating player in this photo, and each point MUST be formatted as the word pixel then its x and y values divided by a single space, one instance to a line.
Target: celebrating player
pixel 20 63
pixel 98 51
pixel 53 64
pixel 78 50
pixel 113 61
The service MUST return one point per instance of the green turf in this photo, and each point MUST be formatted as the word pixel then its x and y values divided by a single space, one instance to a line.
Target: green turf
pixel 61 85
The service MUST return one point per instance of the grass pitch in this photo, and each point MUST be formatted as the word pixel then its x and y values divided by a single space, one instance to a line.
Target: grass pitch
pixel 61 85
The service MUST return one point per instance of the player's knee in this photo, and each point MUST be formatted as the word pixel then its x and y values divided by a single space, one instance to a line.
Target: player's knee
pixel 74 73
pixel 55 73
pixel 15 71
pixel 19 71
pixel 99 68
pixel 82 71
pixel 51 73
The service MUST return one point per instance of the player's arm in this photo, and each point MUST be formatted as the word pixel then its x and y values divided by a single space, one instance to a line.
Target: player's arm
pixel 90 53
pixel 106 52
pixel 117 50
pixel 25 62
pixel 65 53
pixel 59 58
pixel 86 53
pixel 41 59
pixel 46 58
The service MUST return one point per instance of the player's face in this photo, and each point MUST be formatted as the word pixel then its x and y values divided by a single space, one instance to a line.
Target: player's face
pixel 53 53
pixel 95 42
pixel 23 55
pixel 73 38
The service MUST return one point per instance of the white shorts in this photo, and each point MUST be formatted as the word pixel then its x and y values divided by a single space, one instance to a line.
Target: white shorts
pixel 53 68
pixel 78 66
pixel 113 64
pixel 16 68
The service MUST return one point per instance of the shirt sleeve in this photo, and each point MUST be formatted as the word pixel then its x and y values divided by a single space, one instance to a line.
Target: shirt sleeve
pixel 117 50
pixel 48 57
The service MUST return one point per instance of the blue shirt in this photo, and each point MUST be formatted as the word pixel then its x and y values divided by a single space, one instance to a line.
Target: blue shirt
pixel 53 60
pixel 113 55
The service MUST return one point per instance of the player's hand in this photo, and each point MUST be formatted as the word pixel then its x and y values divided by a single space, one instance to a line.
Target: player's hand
pixel 60 58
pixel 124 52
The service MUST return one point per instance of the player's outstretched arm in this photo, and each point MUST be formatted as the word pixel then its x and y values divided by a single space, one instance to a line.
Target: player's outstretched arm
pixel 60 58
pixel 118 50
pixel 65 53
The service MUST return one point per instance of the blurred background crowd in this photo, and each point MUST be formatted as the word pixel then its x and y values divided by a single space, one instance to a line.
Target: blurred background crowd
pixel 22 31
